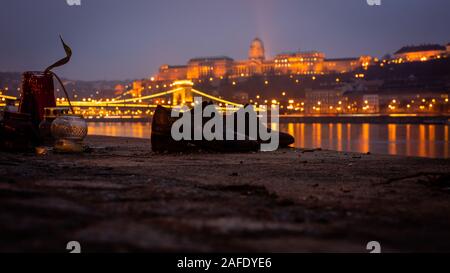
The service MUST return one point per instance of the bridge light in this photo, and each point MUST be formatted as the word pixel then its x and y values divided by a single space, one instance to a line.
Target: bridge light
pixel 184 82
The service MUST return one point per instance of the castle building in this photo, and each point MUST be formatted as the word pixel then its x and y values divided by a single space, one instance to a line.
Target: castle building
pixel 345 65
pixel 299 63
pixel 257 52
pixel 172 72
pixel 421 53
pixel 207 67
pixel 341 65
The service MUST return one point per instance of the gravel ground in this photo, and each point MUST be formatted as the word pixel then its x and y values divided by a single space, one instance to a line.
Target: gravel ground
pixel 121 197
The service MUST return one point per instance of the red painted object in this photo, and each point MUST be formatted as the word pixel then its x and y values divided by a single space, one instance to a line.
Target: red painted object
pixel 37 94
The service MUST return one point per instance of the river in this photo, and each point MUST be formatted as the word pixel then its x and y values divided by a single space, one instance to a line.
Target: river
pixel 395 139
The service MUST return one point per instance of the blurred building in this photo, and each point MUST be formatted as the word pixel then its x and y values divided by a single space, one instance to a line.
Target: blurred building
pixel 299 63
pixel 326 101
pixel 341 65
pixel 371 103
pixel 172 72
pixel 421 53
pixel 137 89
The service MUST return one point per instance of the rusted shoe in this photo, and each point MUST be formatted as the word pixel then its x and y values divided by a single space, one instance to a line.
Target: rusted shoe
pixel 162 140
pixel 285 140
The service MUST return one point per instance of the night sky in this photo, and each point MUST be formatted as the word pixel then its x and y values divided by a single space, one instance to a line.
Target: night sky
pixel 127 39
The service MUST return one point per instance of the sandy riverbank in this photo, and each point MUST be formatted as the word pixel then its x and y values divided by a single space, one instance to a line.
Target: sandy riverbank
pixel 122 197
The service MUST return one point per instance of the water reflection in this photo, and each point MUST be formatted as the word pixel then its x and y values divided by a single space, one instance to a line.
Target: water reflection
pixel 409 140
pixel 395 139
pixel 392 138
pixel 120 129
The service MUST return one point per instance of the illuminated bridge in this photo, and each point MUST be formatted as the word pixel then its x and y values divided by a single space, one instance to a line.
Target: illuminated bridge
pixel 182 93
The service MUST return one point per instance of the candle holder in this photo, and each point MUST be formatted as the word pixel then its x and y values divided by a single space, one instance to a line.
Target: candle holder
pixel 69 132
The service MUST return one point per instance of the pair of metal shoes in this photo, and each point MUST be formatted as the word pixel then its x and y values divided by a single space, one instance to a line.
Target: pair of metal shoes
pixel 162 140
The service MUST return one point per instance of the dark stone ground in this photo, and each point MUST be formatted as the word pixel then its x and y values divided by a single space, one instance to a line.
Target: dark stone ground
pixel 122 197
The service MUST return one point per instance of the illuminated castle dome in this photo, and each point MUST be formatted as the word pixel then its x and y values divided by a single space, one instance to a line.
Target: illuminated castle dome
pixel 256 51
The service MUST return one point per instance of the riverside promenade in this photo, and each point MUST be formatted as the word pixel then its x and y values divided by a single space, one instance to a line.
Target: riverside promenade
pixel 121 197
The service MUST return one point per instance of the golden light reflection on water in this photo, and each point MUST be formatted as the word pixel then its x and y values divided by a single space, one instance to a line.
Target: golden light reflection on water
pixel 395 139
pixel 330 134
pixel 339 136
pixel 422 143
pixel 432 139
pixel 446 148
pixel 120 129
pixel 365 142
pixel 392 137
pixel 408 140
